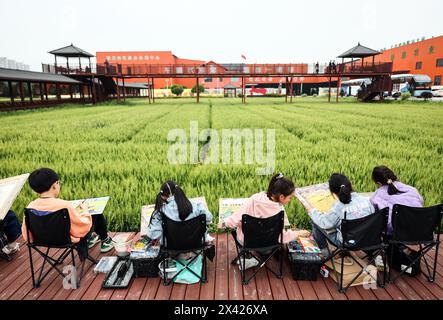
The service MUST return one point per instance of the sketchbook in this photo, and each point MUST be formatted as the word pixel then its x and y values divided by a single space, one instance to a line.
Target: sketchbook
pixel 229 206
pixel 9 190
pixel 95 205
pixel 319 196
pixel 148 210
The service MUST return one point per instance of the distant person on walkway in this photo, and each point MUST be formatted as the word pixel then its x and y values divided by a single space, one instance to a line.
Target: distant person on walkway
pixel 317 68
pixel 9 233
pixel 391 191
pixel 46 183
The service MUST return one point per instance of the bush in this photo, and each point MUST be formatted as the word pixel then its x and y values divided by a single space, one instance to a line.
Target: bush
pixel 201 89
pixel 405 96
pixel 177 89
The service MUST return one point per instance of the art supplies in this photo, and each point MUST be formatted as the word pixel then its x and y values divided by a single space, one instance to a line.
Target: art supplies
pixel 319 197
pixel 145 257
pixel 9 190
pixel 229 206
pixel 95 205
pixel 105 264
pixel 120 276
pixel 148 210
pixel 308 245
pixel 123 244
pixel 305 259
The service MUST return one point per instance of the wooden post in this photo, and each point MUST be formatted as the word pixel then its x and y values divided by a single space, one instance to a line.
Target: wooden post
pixel 286 91
pixel 94 91
pixel 124 90
pixel 30 92
pixel 55 64
pixel 291 89
pixel 45 85
pixel 67 64
pixel 118 90
pixel 42 95
pixel 338 87
pixel 198 90
pixel 22 96
pixel 57 92
pixel 11 94
pixel 153 90
pixel 149 92
pixel 329 94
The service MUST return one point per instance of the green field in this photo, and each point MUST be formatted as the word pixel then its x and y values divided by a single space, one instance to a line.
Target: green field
pixel 121 150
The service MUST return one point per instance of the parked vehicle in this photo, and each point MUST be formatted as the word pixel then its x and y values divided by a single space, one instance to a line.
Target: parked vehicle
pixel 418 85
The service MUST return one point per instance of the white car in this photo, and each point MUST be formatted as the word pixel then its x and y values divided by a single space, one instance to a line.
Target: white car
pixel 437 92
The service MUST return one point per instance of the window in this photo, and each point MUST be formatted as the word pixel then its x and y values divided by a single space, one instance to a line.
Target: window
pixel 146 58
pixel 431 49
pixel 124 58
pixel 416 52
pixel 439 63
pixel 140 58
pixel 392 57
pixel 135 58
pixel 129 58
pixel 108 58
pixel 403 55
pixel 437 81
pixel 234 79
pixel 113 57
pixel 208 79
pixel 119 58
pixel 418 65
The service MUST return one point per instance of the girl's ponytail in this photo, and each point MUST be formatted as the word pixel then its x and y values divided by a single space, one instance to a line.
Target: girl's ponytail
pixel 340 185
pixel 280 185
pixel 386 177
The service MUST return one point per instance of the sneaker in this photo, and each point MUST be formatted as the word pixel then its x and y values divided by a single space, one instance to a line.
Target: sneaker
pixel 249 263
pixel 107 245
pixel 93 240
pixel 11 248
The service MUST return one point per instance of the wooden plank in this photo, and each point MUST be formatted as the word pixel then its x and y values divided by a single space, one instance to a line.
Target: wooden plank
pixel 150 290
pixel 277 287
pixel 235 285
pixel 222 265
pixel 136 289
pixel 321 289
pixel 20 278
pixel 163 292
pixel 193 291
pixel 207 290
pixel 307 290
pixel 419 288
pixel 178 291
pixel 88 277
pixel 291 286
pixel 366 294
pixel 352 294
pixel 263 285
pixel 407 290
pixel 332 288
pixel 434 288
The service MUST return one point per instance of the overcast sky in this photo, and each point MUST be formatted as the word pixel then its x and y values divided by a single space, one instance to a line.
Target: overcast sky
pixel 263 30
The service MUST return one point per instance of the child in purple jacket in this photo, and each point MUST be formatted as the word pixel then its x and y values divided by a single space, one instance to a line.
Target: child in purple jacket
pixel 392 192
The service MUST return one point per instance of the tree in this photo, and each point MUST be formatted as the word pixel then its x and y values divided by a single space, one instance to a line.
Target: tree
pixel 201 88
pixel 177 89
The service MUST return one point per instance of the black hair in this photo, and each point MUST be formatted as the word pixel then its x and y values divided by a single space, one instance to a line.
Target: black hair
pixel 42 179
pixel 340 185
pixel 280 185
pixel 386 177
pixel 168 189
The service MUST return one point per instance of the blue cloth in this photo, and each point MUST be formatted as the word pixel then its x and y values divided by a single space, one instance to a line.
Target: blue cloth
pixel 321 235
pixel 11 227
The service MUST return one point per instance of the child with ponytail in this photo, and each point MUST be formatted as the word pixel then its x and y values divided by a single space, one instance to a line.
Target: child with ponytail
pixel 391 191
pixel 327 225
pixel 172 201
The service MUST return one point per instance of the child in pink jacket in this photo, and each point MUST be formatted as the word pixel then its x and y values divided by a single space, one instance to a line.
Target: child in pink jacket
pixel 267 204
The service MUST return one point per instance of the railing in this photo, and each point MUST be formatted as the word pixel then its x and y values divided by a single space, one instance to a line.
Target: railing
pixel 357 67
pixel 183 70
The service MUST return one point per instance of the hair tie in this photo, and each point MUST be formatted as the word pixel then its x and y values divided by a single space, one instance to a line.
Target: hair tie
pixel 389 181
pixel 342 186
pixel 161 191
pixel 280 176
pixel 176 186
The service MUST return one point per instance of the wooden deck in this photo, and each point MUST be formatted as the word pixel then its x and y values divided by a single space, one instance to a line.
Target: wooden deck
pixel 223 284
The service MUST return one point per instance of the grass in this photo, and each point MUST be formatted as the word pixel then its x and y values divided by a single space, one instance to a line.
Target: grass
pixel 120 150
